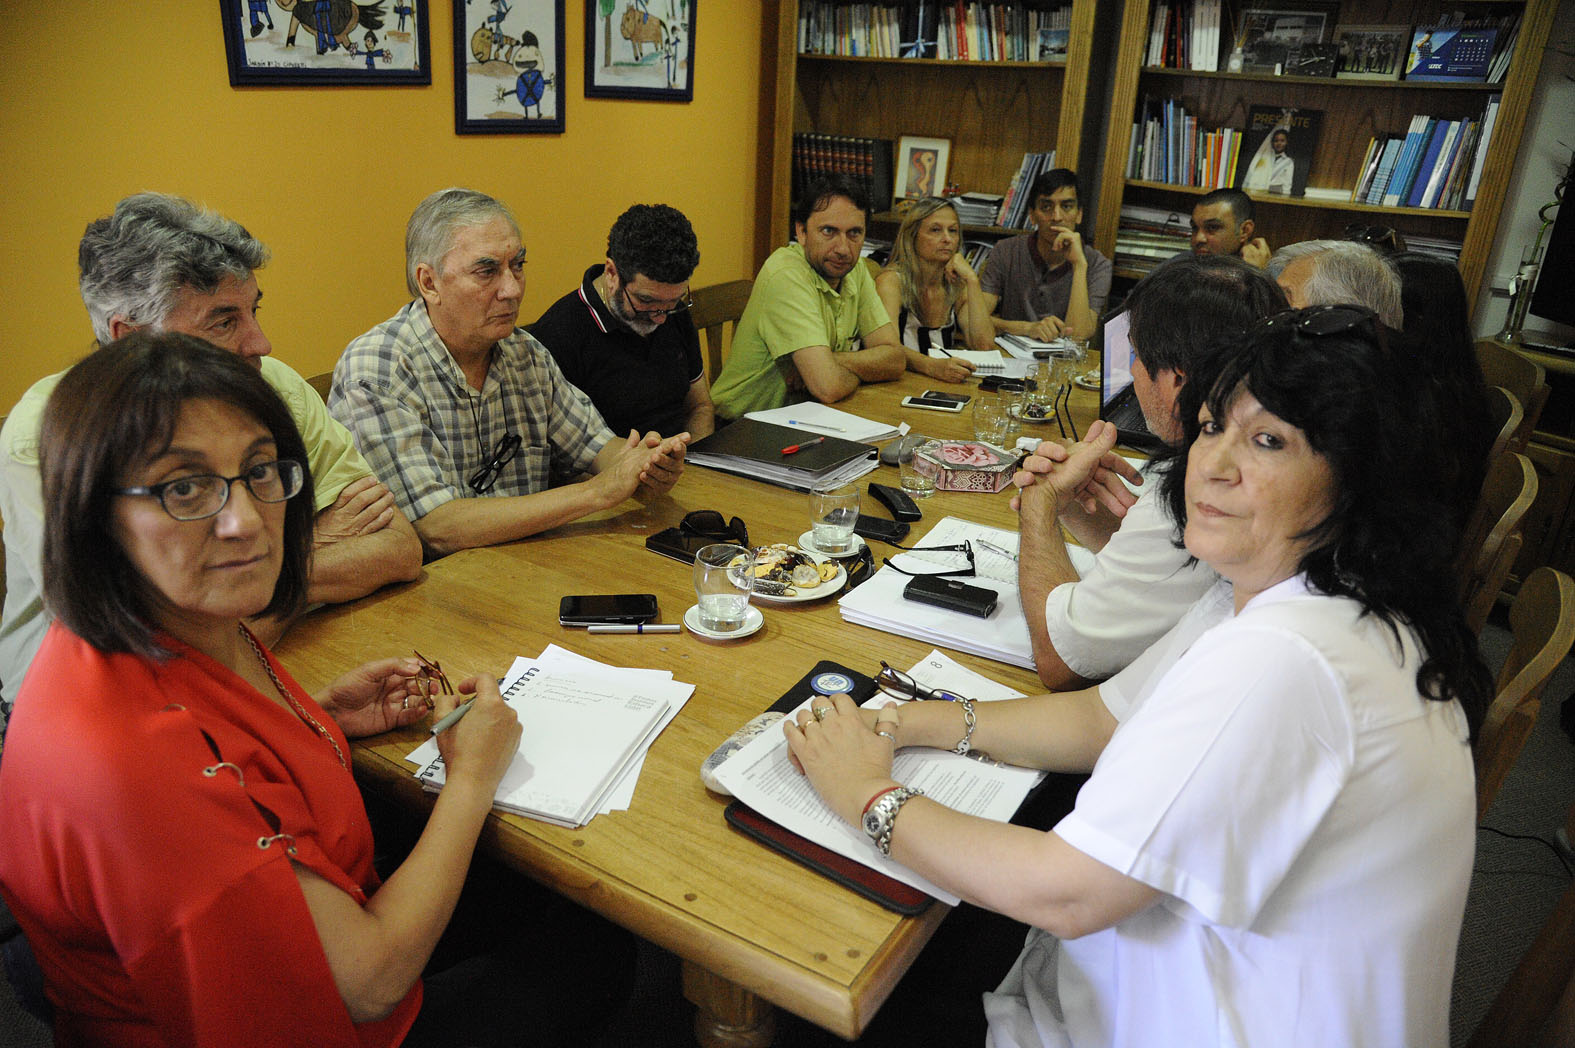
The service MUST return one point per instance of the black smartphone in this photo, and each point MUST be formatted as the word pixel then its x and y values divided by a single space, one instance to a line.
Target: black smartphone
pixel 678 544
pixel 942 395
pixel 953 594
pixel 990 383
pixel 880 529
pixel 606 609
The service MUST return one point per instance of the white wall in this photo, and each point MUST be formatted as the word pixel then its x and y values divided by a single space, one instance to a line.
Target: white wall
pixel 1544 156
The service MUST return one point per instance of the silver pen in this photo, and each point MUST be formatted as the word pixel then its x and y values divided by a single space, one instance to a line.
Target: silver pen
pixel 452 718
pixel 636 628
pixel 998 550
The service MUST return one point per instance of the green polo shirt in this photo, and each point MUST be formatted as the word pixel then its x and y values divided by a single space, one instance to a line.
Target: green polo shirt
pixel 791 308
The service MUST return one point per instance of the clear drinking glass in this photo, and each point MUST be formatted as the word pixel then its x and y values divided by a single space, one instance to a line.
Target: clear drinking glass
pixel 992 418
pixel 724 580
pixel 833 510
pixel 918 474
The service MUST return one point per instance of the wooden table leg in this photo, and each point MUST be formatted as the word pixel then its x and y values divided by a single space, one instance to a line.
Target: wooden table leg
pixel 729 1016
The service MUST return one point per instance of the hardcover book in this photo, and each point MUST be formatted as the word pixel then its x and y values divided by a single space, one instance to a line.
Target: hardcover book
pixel 1277 150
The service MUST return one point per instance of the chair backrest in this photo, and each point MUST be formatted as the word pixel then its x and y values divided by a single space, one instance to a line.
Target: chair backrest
pixel 1508 417
pixel 322 383
pixel 1542 624
pixel 715 307
pixel 1492 539
pixel 1522 376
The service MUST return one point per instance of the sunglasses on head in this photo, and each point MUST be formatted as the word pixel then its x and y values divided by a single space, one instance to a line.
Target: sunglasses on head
pixel 1320 321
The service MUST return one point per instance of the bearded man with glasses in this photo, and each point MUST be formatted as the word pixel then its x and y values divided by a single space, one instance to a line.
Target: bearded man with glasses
pixel 466 417
pixel 625 336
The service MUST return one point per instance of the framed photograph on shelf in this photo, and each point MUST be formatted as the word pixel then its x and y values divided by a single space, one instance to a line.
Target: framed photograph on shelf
pixel 921 167
pixel 1268 34
pixel 640 50
pixel 1370 52
pixel 381 44
pixel 508 67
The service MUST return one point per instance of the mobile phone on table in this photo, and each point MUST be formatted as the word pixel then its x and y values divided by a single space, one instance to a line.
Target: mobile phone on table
pixel 604 609
pixel 931 403
pixel 941 394
pixel 950 593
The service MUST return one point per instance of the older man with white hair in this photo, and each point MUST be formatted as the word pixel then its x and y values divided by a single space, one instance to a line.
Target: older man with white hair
pixel 1339 273
pixel 465 416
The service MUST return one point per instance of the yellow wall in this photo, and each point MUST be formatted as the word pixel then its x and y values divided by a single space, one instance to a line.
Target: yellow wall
pixel 101 100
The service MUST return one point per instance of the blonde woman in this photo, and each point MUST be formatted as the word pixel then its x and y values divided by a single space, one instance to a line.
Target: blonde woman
pixel 932 293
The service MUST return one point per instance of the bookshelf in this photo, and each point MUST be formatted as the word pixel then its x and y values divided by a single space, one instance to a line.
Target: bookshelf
pixel 993 112
pixel 1354 110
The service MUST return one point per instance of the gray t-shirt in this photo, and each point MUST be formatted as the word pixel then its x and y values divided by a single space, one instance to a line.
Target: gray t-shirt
pixel 1028 289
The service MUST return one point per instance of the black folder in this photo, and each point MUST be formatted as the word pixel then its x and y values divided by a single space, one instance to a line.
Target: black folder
pixel 749 448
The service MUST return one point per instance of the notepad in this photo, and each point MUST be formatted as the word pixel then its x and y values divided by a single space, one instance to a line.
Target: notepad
pixel 816 418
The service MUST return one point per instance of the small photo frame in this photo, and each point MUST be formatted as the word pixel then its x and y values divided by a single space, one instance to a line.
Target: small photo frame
pixel 508 67
pixel 1268 34
pixel 1370 52
pixel 335 43
pixel 640 49
pixel 921 167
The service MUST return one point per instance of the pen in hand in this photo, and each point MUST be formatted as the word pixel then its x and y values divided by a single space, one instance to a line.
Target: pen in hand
pixel 452 718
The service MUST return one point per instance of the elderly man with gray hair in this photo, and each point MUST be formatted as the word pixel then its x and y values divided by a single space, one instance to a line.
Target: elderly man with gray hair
pixel 465 416
pixel 163 264
pixel 1339 272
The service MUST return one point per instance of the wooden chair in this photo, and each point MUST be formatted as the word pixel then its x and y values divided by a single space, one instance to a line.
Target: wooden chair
pixel 1508 417
pixel 1492 538
pixel 322 383
pixel 1541 988
pixel 1523 377
pixel 715 307
pixel 1542 623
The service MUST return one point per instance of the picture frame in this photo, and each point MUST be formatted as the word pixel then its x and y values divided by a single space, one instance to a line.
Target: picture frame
pixel 267 46
pixel 1269 33
pixel 508 67
pixel 1370 52
pixel 642 49
pixel 921 167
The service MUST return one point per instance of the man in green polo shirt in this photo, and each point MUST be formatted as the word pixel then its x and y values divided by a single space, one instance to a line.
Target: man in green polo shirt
pixel 814 326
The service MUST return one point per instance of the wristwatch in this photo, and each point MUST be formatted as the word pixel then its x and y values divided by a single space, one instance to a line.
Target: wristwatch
pixel 878 820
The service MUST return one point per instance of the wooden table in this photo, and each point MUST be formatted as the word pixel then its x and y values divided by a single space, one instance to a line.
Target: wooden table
pixel 752 928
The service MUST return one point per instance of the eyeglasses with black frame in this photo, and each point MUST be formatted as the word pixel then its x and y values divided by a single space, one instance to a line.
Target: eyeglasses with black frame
pixel 486 478
pixel 965 548
pixel 708 524
pixel 1320 321
pixel 203 495
pixel 684 303
pixel 899 685
pixel 1386 238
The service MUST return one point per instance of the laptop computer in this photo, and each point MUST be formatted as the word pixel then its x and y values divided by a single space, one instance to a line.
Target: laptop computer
pixel 1118 403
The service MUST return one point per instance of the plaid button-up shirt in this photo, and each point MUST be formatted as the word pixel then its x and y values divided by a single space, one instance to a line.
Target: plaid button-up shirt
pixel 425 431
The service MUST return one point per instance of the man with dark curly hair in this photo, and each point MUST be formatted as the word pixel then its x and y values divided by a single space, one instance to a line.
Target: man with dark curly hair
pixel 625 337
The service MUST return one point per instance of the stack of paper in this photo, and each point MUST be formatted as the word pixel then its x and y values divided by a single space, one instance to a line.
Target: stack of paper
pixel 587 727
pixel 1003 636
pixel 761 775
pixel 816 417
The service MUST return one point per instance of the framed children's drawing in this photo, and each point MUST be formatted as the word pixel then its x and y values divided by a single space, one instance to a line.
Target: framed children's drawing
pixel 293 42
pixel 640 49
pixel 921 166
pixel 508 67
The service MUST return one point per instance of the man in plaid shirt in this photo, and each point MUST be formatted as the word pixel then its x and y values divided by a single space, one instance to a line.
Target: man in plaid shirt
pixel 450 402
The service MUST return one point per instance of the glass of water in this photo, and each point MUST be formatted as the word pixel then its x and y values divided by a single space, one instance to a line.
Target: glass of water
pixel 724 580
pixel 918 471
pixel 833 510
pixel 992 418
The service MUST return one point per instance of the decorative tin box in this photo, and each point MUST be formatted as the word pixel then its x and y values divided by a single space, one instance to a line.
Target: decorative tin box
pixel 969 465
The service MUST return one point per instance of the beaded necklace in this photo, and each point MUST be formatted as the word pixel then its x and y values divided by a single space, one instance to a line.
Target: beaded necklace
pixel 290 699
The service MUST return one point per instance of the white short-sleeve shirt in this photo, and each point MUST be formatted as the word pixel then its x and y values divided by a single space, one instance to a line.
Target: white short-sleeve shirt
pixel 1308 817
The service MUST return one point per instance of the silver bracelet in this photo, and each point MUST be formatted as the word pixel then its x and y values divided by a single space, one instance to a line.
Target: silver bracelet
pixel 965 743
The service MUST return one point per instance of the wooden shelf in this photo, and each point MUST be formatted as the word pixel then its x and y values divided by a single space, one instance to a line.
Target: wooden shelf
pixel 895 218
pixel 1326 81
pixel 1287 201
pixel 945 63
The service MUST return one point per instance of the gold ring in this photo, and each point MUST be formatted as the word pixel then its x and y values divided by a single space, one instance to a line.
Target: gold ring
pixel 888 735
pixel 821 711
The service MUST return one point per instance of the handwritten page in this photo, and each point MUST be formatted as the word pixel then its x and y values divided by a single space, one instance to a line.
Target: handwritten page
pixel 763 777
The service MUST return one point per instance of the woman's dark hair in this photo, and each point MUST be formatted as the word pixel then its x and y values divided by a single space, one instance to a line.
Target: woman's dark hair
pixel 1437 343
pixel 116 409
pixel 1389 540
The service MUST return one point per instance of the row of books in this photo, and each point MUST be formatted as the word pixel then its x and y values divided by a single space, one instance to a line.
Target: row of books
pixel 1185 34
pixel 1147 236
pixel 1436 163
pixel 1014 208
pixel 953 29
pixel 866 160
pixel 1168 146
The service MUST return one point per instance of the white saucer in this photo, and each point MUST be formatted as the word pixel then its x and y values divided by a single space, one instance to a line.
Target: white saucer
pixel 753 620
pixel 806 542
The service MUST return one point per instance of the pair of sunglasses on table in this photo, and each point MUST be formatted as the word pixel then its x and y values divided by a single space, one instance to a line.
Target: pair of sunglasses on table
pixel 711 525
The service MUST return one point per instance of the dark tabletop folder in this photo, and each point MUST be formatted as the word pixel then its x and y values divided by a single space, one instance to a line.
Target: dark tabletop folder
pixel 750 448
pixel 872 884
